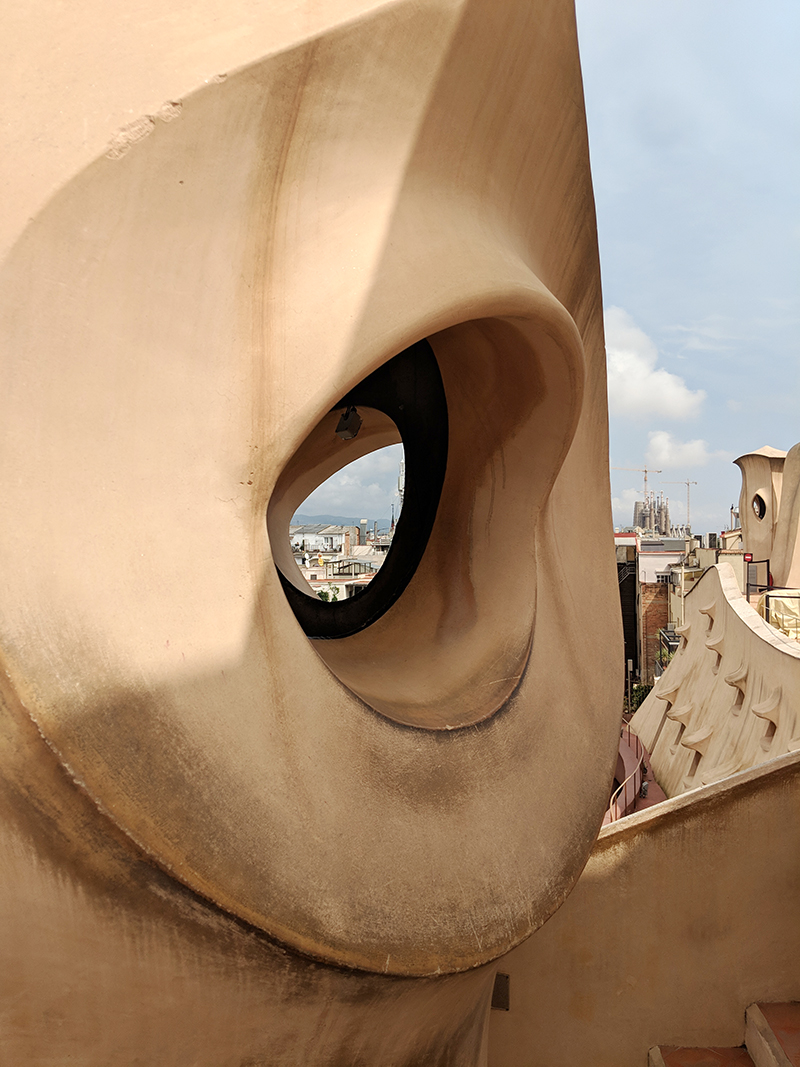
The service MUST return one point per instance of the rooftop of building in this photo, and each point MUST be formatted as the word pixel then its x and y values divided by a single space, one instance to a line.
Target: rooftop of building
pixel 317 528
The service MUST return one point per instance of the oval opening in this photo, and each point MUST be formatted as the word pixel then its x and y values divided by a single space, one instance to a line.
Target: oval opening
pixel 759 506
pixel 403 400
pixel 342 533
pixel 447 643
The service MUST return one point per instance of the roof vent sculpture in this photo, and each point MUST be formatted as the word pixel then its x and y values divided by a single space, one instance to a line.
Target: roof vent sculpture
pixel 189 297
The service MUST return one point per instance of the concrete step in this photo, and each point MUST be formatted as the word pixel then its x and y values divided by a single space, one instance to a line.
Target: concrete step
pixel 773 1034
pixel 674 1056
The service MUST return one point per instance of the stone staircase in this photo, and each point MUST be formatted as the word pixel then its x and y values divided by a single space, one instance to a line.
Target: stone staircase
pixel 772 1039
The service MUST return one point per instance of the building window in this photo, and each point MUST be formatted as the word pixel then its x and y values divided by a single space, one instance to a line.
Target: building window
pixel 663 579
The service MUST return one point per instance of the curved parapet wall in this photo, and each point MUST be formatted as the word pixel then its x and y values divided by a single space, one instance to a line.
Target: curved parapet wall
pixel 730 698
pixel 236 224
pixel 684 915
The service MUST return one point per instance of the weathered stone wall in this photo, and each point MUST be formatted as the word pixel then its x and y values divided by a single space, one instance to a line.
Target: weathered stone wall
pixel 217 221
pixel 685 914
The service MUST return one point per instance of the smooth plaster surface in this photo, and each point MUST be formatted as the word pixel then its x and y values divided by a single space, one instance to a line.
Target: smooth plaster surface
pixel 685 915
pixel 762 476
pixel 216 223
pixel 785 551
pixel 106 961
pixel 771 530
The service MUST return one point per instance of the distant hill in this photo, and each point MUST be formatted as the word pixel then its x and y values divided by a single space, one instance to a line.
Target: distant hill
pixel 301 519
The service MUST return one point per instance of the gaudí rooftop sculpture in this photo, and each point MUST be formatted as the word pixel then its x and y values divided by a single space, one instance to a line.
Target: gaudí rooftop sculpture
pixel 240 826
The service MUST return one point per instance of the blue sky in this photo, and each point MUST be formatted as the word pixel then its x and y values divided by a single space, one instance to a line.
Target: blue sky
pixel 693 109
pixel 367 488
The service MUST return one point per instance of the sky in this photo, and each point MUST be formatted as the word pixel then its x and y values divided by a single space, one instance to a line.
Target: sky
pixel 366 487
pixel 693 109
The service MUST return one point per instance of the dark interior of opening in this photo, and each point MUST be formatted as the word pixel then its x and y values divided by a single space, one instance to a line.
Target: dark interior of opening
pixel 409 390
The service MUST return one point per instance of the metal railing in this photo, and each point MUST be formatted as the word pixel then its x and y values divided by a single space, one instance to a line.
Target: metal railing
pixel 754 574
pixel 625 795
pixel 787 622
pixel 668 644
pixel 625 570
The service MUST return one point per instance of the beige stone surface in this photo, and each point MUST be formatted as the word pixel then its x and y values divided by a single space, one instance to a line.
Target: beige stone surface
pixel 762 478
pixel 729 699
pixel 107 961
pixel 785 553
pixel 81 80
pixel 769 506
pixel 218 222
pixel 685 914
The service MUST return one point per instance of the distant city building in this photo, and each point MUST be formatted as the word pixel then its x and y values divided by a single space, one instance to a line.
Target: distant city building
pixel 655 573
pixel 321 537
pixel 651 515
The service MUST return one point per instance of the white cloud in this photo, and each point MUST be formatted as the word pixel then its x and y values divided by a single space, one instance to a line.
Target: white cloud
pixel 636 385
pixel 665 451
pixel 367 487
pixel 710 335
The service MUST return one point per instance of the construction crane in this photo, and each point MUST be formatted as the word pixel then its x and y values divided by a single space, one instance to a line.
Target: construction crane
pixel 641 470
pixel 688 485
